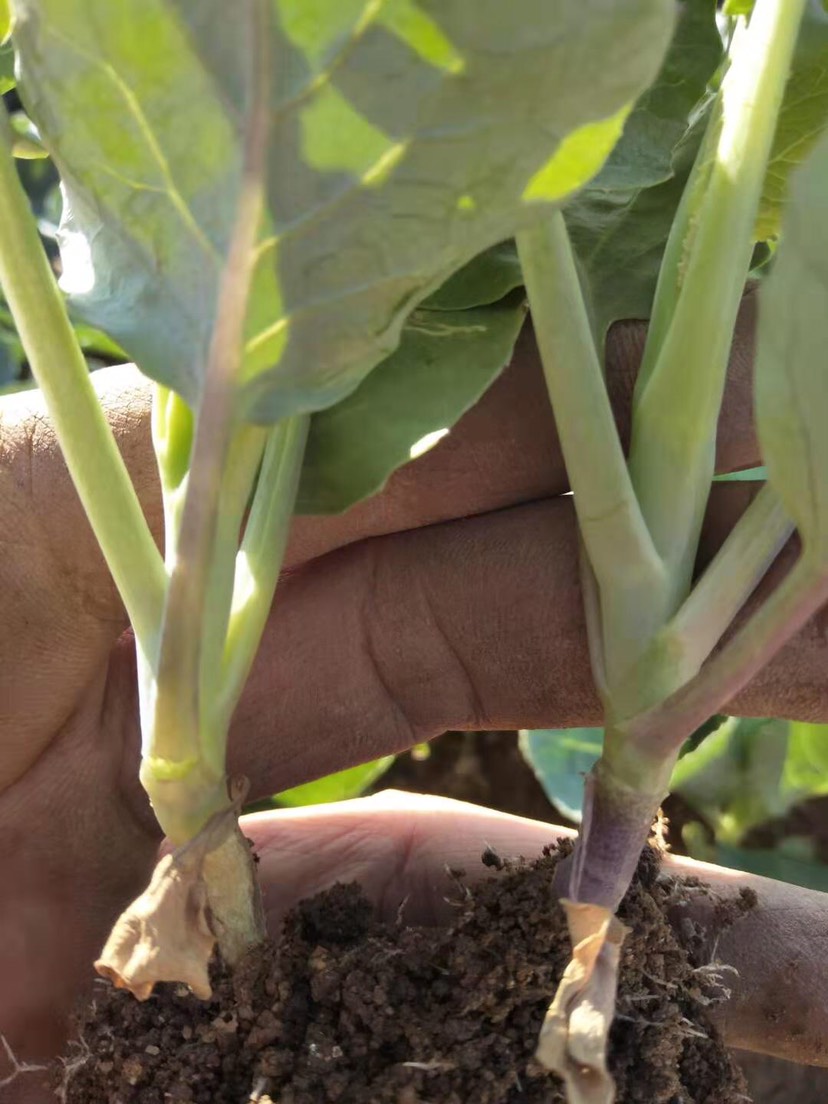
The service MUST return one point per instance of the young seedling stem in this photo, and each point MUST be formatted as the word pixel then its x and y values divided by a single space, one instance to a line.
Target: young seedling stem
pixel 181 771
pixel 623 558
pixel 641 523
pixel 662 729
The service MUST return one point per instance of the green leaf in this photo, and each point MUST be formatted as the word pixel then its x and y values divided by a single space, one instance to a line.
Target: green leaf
pixel 733 779
pixel 406 137
pixel 806 764
pixel 619 239
pixel 11 358
pixel 738 7
pixel 7 80
pixel 560 758
pixel 660 119
pixel 486 279
pixel 802 118
pixel 335 787
pixel 748 475
pixel 774 864
pixel 445 361
pixel 791 391
pixel 620 223
pixel 27 145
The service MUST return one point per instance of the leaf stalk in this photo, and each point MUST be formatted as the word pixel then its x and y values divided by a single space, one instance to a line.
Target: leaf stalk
pixel 85 437
pixel 677 402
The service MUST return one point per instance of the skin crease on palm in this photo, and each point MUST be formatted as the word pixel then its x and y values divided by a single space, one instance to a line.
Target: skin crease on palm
pixel 451 600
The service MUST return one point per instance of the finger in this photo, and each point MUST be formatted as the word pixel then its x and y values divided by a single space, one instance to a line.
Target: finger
pixel 62 612
pixel 474 624
pixel 779 1001
pixel 397 845
pixel 502 452
pixel 505 451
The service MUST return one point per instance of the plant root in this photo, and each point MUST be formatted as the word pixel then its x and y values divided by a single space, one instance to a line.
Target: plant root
pixel 573 1038
pixel 204 893
pixel 17 1066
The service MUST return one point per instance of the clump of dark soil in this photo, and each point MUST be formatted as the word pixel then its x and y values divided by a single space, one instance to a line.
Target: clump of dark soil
pixel 347 1009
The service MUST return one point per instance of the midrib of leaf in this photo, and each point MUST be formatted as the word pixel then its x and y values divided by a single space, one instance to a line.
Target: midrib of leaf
pixel 366 20
pixel 311 304
pixel 371 11
pixel 136 185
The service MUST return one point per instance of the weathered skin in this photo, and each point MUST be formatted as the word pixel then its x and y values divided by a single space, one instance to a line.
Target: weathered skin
pixel 450 601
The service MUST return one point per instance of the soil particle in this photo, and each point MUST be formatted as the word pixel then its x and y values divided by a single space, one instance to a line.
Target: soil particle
pixel 349 1010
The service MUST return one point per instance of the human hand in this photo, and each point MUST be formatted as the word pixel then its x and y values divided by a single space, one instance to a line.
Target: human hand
pixel 449 601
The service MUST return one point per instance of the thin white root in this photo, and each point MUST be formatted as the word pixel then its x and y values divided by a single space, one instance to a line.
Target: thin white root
pixel 260 1092
pixel 18 1068
pixel 573 1038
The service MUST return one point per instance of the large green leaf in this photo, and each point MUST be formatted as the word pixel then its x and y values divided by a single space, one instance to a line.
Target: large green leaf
pixel 780 864
pixel 341 786
pixel 806 765
pixel 619 224
pixel 445 361
pixel 734 778
pixel 487 278
pixel 560 758
pixel 660 119
pixel 791 376
pixel 619 240
pixel 802 118
pixel 749 771
pixel 406 137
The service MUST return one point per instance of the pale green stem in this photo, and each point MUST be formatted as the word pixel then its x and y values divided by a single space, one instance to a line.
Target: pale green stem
pixel 260 558
pixel 676 408
pixel 173 426
pixel 180 770
pixel 681 647
pixel 679 242
pixel 660 731
pixel 245 457
pixel 617 541
pixel 86 440
pixel 751 547
pixel 594 625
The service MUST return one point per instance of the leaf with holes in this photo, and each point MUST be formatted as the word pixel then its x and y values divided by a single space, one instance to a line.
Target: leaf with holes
pixel 406 136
